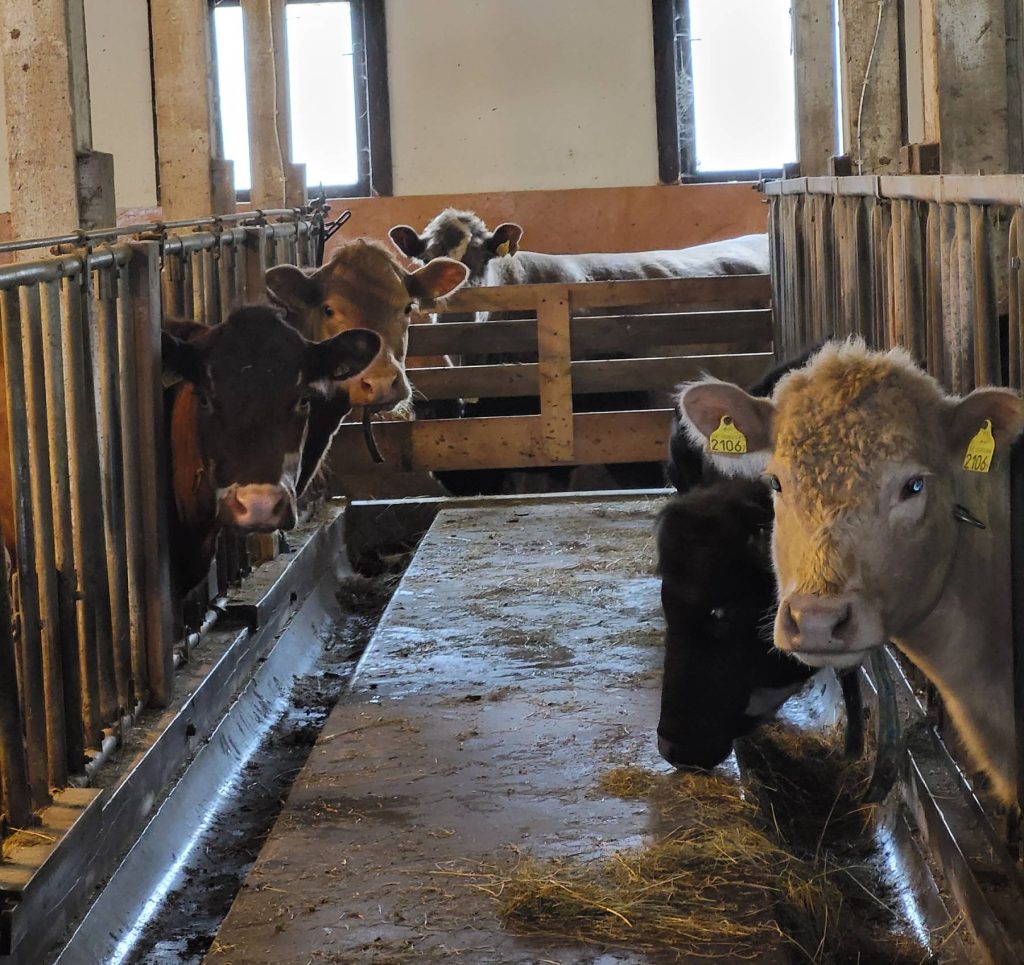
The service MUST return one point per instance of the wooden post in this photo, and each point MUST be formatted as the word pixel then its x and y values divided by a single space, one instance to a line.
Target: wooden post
pixel 182 83
pixel 965 89
pixel 813 44
pixel 870 67
pixel 274 177
pixel 554 357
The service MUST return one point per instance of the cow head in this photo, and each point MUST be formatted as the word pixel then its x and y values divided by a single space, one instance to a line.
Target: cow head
pixel 364 287
pixel 244 409
pixel 866 456
pixel 460 235
pixel 722 676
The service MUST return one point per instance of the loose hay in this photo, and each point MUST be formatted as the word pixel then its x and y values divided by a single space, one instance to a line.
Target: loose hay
pixel 722 882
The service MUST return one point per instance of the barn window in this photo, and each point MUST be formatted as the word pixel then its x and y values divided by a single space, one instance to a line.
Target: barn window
pixel 337 94
pixel 725 88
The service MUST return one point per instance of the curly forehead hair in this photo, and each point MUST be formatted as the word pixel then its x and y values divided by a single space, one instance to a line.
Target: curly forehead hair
pixel 850 410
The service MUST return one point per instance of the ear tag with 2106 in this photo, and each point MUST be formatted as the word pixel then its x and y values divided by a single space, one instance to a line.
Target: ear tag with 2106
pixel 727 440
pixel 980 449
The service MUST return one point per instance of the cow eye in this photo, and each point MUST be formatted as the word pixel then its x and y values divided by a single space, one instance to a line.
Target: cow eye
pixel 328 311
pixel 914 486
pixel 303 404
pixel 773 481
pixel 718 613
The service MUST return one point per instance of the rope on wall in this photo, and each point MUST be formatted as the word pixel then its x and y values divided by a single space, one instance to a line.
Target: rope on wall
pixel 882 4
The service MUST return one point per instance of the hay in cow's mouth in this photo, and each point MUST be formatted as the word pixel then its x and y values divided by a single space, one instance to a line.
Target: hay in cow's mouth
pixel 733 876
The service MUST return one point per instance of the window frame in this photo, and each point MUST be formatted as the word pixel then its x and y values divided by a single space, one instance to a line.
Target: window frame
pixel 674 103
pixel 373 109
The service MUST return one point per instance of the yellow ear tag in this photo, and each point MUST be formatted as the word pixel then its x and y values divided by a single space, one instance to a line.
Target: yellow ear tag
pixel 980 449
pixel 503 248
pixel 727 439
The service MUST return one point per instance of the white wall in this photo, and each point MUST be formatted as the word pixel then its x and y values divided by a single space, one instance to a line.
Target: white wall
pixel 120 87
pixel 508 95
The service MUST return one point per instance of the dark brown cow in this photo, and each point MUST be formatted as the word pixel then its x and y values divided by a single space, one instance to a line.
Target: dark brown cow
pixel 238 424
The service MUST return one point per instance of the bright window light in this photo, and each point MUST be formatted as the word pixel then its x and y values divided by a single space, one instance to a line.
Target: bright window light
pixel 227 27
pixel 743 84
pixel 322 92
pixel 321 80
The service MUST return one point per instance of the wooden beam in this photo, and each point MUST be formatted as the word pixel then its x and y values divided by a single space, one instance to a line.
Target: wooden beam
pixel 625 334
pixel 182 85
pixel 41 132
pixel 554 373
pixel 872 102
pixel 508 442
pixel 266 80
pixel 965 88
pixel 813 46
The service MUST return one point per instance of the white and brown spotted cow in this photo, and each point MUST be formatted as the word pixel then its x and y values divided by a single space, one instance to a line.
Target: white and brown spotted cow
pixel 866 455
pixel 495 258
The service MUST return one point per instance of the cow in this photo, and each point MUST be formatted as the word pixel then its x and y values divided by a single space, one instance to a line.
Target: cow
pixel 363 286
pixel 687 462
pixel 891 509
pixel 237 424
pixel 494 257
pixel 722 678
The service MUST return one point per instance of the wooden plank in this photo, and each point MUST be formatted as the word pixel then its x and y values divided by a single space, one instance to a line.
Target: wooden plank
pixel 555 377
pixel 506 442
pixel 624 334
pixel 41 133
pixel 813 46
pixel 613 375
pixel 180 31
pixel 727 291
pixel 266 79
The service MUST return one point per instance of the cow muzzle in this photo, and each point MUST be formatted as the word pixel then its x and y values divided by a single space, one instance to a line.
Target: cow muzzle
pixel 704 752
pixel 257 508
pixel 828 631
pixel 383 385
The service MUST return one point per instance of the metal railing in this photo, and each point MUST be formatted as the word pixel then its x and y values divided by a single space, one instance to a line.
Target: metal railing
pixel 87 638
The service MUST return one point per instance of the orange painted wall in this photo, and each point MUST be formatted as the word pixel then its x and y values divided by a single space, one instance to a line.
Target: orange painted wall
pixel 583 219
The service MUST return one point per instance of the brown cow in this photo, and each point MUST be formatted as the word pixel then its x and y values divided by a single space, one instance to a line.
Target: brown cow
pixel 362 286
pixel 238 424
pixel 867 455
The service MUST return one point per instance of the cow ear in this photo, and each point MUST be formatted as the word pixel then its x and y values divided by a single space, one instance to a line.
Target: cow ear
pixel 504 240
pixel 291 287
pixel 181 359
pixel 436 279
pixel 999 411
pixel 341 357
pixel 407 241
pixel 712 407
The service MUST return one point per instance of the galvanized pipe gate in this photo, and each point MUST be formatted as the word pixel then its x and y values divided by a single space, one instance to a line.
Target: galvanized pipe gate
pixel 87 639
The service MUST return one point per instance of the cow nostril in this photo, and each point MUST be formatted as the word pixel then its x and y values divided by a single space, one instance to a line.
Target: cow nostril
pixel 279 506
pixel 792 625
pixel 842 621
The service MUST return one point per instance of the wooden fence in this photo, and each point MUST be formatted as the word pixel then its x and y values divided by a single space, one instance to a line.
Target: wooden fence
pixel 580 339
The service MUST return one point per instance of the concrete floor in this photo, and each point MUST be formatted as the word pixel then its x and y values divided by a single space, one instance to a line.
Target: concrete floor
pixel 518 660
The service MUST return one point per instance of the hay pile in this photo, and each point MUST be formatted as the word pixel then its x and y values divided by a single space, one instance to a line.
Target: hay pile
pixel 760 877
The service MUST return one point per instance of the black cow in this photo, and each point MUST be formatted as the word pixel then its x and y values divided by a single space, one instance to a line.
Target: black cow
pixel 238 420
pixel 722 675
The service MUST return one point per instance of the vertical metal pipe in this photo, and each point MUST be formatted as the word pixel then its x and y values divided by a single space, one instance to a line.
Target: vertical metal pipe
pixel 964 256
pixel 173 273
pixel 933 291
pixel 14 782
pixel 144 282
pixel 986 323
pixel 68 589
pixel 130 434
pixel 39 465
pixel 256 265
pixel 199 279
pixel 31 655
pixel 86 505
pixel 115 660
pixel 1017 602
pixel 1015 298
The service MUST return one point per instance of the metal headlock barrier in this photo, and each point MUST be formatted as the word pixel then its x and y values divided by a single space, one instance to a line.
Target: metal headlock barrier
pixel 932 264
pixel 89 634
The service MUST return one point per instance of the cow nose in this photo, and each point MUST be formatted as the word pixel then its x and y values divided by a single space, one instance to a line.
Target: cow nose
pixel 383 390
pixel 815 623
pixel 703 754
pixel 258 507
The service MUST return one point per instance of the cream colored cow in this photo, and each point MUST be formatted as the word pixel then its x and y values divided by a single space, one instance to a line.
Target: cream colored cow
pixel 868 458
